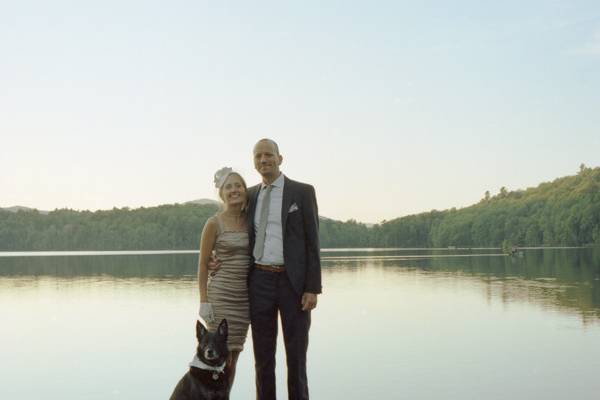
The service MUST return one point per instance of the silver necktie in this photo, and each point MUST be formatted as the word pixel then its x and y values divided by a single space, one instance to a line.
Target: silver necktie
pixel 259 245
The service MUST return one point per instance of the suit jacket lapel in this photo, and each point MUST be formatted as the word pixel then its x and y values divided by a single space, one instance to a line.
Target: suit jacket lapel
pixel 285 203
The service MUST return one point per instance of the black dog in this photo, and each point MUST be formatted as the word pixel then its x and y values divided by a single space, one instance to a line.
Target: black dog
pixel 207 378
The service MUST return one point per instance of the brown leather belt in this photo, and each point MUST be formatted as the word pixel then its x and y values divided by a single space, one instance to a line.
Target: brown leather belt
pixel 270 268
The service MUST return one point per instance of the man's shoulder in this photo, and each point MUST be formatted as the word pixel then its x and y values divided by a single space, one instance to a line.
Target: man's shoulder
pixel 300 186
pixel 254 189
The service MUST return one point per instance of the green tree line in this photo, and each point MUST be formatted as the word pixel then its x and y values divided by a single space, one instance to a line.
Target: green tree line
pixel 563 212
pixel 175 227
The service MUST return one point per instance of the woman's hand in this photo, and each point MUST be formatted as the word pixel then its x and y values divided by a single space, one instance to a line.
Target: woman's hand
pixel 207 313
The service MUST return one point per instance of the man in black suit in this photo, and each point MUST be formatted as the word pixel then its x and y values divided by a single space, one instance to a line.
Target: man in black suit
pixel 285 277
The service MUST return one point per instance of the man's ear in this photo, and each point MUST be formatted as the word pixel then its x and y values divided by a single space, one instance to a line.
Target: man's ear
pixel 280 157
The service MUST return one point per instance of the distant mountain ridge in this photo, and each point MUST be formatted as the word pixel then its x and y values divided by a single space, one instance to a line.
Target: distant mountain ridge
pixel 22 208
pixel 202 202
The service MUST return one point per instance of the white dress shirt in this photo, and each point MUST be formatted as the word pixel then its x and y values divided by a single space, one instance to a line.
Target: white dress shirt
pixel 273 252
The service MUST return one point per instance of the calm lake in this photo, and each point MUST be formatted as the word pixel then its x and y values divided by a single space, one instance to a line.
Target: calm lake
pixel 391 324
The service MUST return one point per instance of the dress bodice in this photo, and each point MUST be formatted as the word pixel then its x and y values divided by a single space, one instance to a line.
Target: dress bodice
pixel 233 250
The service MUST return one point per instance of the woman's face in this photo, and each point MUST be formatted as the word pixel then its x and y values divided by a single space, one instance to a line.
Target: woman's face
pixel 233 191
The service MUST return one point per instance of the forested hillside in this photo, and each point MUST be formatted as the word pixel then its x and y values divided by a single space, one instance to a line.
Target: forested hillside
pixel 563 212
pixel 164 227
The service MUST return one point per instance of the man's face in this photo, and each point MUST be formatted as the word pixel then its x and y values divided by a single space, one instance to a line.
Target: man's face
pixel 266 159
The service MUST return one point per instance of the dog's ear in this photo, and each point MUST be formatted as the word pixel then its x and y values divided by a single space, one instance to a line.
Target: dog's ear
pixel 222 330
pixel 200 330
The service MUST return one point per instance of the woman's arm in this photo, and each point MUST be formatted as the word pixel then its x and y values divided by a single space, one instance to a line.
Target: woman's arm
pixel 207 243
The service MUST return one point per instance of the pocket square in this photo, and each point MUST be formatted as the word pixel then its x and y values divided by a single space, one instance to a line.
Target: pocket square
pixel 293 207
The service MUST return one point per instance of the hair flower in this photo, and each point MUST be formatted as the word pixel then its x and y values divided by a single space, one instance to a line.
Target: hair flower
pixel 221 176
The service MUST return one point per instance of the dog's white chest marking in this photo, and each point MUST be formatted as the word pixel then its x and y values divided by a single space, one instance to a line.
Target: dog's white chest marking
pixel 196 362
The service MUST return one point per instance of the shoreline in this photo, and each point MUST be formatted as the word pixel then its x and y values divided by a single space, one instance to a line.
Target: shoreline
pixel 68 253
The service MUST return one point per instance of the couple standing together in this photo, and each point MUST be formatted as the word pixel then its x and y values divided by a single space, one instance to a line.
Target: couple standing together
pixel 267 264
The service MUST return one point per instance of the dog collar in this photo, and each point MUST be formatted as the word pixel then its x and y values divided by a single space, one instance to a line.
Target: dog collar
pixel 198 363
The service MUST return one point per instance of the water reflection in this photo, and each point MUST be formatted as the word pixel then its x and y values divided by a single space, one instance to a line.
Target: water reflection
pixel 563 279
pixel 176 266
pixel 559 279
pixel 423 322
pixel 567 279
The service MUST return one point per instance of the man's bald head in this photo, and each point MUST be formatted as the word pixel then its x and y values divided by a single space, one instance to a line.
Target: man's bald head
pixel 271 142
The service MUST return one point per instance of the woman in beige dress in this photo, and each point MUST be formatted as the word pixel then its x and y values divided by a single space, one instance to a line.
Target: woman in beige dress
pixel 224 294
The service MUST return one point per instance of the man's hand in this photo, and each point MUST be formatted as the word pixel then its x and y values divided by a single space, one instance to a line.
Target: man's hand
pixel 214 264
pixel 309 301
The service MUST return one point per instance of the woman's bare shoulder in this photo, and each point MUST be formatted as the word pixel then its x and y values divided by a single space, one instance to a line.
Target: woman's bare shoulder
pixel 212 223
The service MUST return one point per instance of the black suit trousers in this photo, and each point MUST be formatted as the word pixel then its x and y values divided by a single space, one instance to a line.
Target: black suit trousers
pixel 270 295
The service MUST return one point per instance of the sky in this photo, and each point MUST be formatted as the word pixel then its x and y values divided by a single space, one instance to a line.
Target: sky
pixel 387 108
